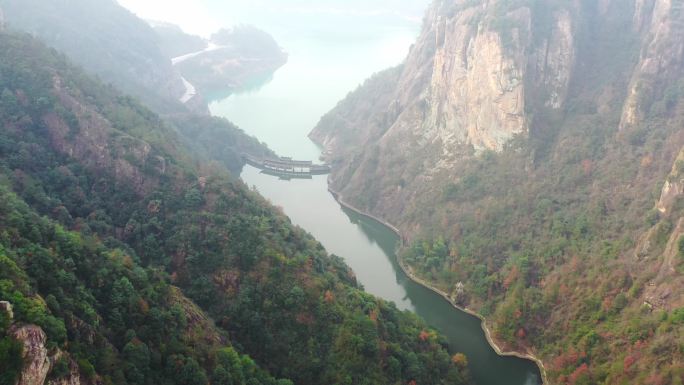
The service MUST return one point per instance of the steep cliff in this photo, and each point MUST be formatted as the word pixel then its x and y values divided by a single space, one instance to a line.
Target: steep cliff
pixel 526 150
pixel 482 74
pixel 661 58
pixel 663 244
pixel 36 360
pixel 462 90
pixel 39 362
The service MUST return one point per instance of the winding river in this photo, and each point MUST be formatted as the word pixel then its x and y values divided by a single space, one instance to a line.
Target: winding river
pixel 281 113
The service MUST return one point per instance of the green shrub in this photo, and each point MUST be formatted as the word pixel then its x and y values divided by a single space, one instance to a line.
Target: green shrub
pixel 86 368
pixel 677 316
pixel 60 369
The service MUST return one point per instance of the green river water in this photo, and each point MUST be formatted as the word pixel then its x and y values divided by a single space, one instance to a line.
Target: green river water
pixel 324 65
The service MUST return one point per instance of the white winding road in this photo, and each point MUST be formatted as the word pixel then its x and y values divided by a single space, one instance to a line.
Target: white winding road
pixel 190 90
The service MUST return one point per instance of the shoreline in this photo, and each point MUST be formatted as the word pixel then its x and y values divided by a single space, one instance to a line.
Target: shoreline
pixel 409 273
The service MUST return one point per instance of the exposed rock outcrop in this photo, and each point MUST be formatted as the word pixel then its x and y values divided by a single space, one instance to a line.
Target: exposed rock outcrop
pixel 662 55
pixel 476 94
pixel 661 292
pixel 673 187
pixel 200 328
pixel 36 360
pixel 484 72
pixel 467 86
pixel 553 62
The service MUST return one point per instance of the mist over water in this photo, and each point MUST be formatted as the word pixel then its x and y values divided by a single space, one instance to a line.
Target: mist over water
pixel 332 50
pixel 331 53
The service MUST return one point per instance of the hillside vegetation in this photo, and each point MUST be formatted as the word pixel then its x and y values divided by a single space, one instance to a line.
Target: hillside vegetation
pixel 531 151
pixel 108 41
pixel 146 265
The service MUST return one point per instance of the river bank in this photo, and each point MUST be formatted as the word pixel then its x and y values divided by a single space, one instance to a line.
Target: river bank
pixel 413 277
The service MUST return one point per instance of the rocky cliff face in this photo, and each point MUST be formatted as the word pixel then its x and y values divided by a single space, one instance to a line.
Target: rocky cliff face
pixel 36 360
pixel 538 139
pixel 663 291
pixel 673 188
pixel 462 90
pixel 484 72
pixel 662 55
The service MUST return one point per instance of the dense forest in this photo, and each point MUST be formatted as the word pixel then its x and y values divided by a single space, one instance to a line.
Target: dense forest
pixel 144 264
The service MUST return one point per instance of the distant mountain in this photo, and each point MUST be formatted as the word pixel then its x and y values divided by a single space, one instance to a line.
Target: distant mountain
pixel 531 152
pixel 107 40
pixel 112 43
pixel 236 59
pixel 175 42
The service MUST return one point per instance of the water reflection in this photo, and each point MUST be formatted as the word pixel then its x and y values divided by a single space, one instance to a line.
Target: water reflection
pixel 369 247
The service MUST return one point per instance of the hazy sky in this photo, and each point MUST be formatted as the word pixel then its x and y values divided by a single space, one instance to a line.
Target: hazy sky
pixel 206 16
pixel 192 16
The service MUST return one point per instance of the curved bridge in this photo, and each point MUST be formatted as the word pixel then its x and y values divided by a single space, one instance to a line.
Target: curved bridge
pixel 287 168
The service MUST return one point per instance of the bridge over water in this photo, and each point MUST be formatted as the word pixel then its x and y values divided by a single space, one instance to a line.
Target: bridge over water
pixel 287 168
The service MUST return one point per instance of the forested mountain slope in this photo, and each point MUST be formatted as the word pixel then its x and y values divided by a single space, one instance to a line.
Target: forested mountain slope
pixel 122 249
pixel 110 42
pixel 107 40
pixel 532 151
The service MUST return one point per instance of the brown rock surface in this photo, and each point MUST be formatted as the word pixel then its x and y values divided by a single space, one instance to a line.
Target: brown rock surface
pixel 36 360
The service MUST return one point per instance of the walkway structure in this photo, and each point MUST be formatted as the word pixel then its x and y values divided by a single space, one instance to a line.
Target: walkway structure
pixel 287 168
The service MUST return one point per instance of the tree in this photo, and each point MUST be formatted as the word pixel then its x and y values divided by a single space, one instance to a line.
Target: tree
pixel 186 371
pixel 228 368
pixel 11 362
pixel 137 357
pixel 193 198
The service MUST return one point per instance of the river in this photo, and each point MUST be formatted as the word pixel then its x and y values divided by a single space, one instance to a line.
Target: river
pixel 323 67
